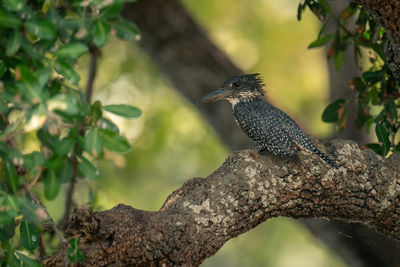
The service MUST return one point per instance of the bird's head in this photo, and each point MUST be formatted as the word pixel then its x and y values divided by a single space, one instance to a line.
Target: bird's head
pixel 245 87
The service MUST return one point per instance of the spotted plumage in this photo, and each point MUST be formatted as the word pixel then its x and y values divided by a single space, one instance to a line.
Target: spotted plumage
pixel 270 128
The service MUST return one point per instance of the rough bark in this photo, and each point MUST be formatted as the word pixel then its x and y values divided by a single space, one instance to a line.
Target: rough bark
pixel 357 245
pixel 198 218
pixel 196 66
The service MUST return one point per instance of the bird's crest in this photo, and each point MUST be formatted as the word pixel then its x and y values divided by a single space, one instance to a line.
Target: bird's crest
pixel 246 86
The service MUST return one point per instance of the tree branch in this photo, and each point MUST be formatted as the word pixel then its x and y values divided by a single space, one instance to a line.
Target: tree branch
pixel 63 260
pixel 94 53
pixel 198 218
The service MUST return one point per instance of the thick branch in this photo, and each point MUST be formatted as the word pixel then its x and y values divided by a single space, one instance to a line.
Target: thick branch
pixel 185 54
pixel 197 219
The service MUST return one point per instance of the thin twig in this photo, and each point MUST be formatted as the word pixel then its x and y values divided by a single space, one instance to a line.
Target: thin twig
pixel 53 225
pixel 63 242
pixel 69 196
pixel 94 53
pixel 42 248
pixel 344 27
pixel 34 180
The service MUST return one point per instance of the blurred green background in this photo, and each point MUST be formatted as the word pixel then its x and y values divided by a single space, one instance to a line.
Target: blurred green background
pixel 172 143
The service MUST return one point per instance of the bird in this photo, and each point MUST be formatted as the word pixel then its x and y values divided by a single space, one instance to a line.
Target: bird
pixel 271 129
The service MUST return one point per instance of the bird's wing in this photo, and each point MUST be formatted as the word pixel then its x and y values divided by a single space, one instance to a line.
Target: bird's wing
pixel 263 125
pixel 293 130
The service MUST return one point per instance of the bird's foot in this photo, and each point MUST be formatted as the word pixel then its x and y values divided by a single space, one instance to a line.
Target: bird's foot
pixel 254 155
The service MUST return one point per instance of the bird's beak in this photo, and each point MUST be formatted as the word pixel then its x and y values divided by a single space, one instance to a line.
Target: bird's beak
pixel 221 93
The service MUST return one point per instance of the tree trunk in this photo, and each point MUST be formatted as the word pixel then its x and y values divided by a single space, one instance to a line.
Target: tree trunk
pixel 189 59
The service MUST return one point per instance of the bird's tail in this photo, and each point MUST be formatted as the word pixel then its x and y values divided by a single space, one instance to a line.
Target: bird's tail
pixel 326 158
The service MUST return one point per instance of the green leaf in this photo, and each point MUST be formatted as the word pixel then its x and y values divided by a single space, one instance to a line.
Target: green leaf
pixel 51 185
pixel 112 9
pixel 11 176
pixel 65 146
pixel 88 169
pixel 24 74
pixel 95 113
pixel 300 10
pixel 42 28
pixel 114 142
pixel 379 49
pixel 29 235
pixel 397 147
pixel 33 161
pixel 368 124
pixel 26 261
pixel 46 6
pixel 43 75
pixel 123 110
pixel 30 91
pixel 7 231
pixel 359 85
pixel 3 68
pixel 67 71
pixel 71 50
pixel 31 50
pixel 13 5
pixel 46 138
pixel 10 259
pixel 331 112
pixel 108 125
pixel 13 203
pixel 321 41
pixel 391 108
pixel 55 162
pixel 74 254
pixel 28 85
pixel 373 76
pixel 126 30
pixel 375 147
pixel 383 138
pixel 321 31
pixel 93 144
pixel 13 43
pixel 338 59
pixel 317 9
pixel 28 210
pixel 101 33
pixel 65 172
pixel 5 218
pixel 9 20
pixel 325 6
pixel 362 116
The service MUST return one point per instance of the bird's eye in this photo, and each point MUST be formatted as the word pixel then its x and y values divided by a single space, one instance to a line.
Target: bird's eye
pixel 237 84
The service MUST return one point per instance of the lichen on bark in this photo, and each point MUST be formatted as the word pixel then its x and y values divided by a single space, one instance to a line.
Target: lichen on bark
pixel 198 218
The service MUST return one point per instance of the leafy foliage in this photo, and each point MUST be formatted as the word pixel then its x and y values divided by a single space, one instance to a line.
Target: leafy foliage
pixel 40 97
pixel 377 90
